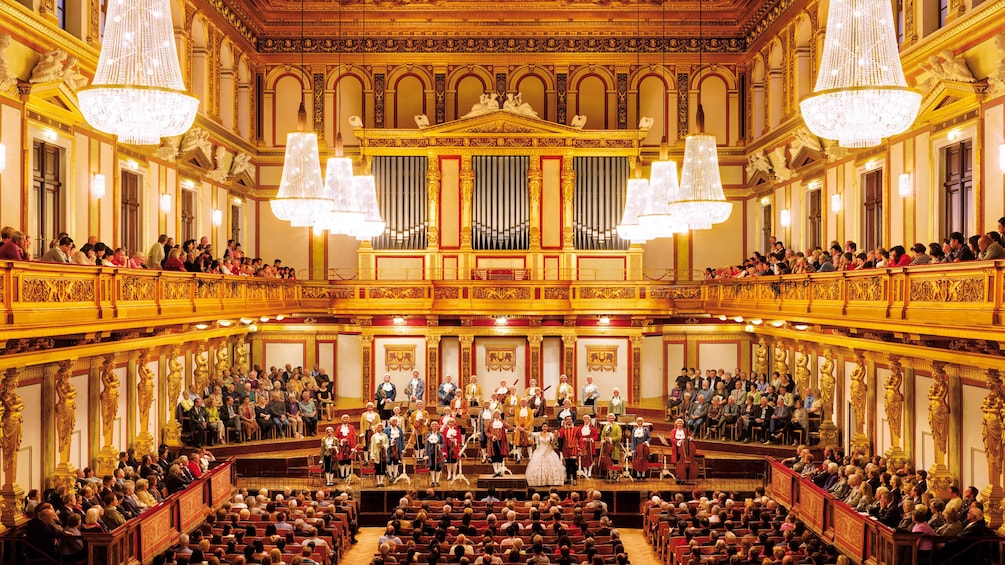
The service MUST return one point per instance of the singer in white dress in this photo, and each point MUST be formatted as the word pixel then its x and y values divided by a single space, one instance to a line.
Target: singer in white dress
pixel 545 467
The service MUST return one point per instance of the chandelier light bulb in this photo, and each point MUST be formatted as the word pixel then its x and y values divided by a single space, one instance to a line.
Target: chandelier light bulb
pixel 861 95
pixel 366 193
pixel 138 93
pixel 344 215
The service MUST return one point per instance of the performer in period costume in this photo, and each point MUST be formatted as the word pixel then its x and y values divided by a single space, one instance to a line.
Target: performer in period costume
pixel 568 443
pixel 473 392
pixel 419 420
pixel 590 392
pixel 486 417
pixel 610 444
pixel 329 444
pixel 616 405
pixel 415 390
pixel 640 448
pixel 566 410
pixel 446 391
pixel 565 391
pixel 395 447
pixel 453 444
pixel 502 390
pixel 369 422
pixel 512 401
pixel 538 404
pixel 378 454
pixel 498 447
pixel 532 389
pixel 682 453
pixel 385 395
pixel 588 434
pixel 346 435
pixel 435 452
pixel 545 466
pixel 523 421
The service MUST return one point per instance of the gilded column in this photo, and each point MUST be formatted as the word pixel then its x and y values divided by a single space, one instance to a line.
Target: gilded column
pixel 993 408
pixel 94 24
pixel 636 376
pixel 433 363
pixel 109 402
pixel 145 383
pixel 467 358
pixel 467 189
pixel 172 427
pixel 433 211
pixel 66 421
pixel 534 179
pixel 366 342
pixel 939 476
pixel 569 360
pixel 761 356
pixel 802 371
pixel 828 431
pixel 859 391
pixel 11 495
pixel 534 354
pixel 200 373
pixel 568 193
pixel 893 402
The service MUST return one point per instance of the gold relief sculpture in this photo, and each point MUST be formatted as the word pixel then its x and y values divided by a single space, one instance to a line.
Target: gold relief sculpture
pixel 938 411
pixel 556 293
pixel 500 359
pixel 802 376
pixel 343 293
pixel 872 289
pixel 992 407
pixel 601 358
pixel 446 293
pixel 968 289
pixel 826 290
pixel 241 357
pixel 136 288
pixel 396 293
pixel 781 359
pixel 66 411
pixel 761 356
pixel 607 293
pixel 56 290
pixel 201 371
pixel 893 401
pixel 175 290
pixel 859 390
pixel 12 419
pixel 109 398
pixel 826 380
pixel 207 289
pixel 222 358
pixel 501 293
pixel 399 357
pixel 145 382
pixel 172 432
pixel 315 292
pixel 672 293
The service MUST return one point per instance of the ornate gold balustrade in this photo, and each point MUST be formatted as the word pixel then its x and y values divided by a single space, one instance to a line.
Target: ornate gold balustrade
pixel 954 300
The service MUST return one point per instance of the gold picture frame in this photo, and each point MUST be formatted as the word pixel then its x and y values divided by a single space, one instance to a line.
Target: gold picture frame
pixel 500 359
pixel 399 358
pixel 602 358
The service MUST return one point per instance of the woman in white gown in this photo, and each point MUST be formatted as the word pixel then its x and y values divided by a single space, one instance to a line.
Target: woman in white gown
pixel 545 467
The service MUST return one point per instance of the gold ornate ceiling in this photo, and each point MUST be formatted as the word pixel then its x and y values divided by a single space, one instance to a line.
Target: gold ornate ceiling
pixel 510 26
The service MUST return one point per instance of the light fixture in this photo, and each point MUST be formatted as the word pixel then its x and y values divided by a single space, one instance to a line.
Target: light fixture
pixel 253 328
pixel 801 327
pixel 722 317
pixel 954 135
pixel 765 201
pixel 188 184
pixel 225 323
pixel 344 216
pixel 132 165
pixel 756 321
pixel 263 319
pixel 872 164
pixel 635 203
pixel 738 319
pixel 98 186
pixel 247 321
pixel 217 217
pixel 280 318
pixel 3 157
pixel 1001 158
pixel 785 218
pixel 201 326
pixel 604 321
pixel 904 187
pixel 166 203
pixel 138 93
pixel 860 95
pixel 814 184
pixel 657 220
pixel 366 196
pixel 748 328
pixel 398 320
pixel 49 135
pixel 502 321
pixel 835 203
pixel 302 197
pixel 778 323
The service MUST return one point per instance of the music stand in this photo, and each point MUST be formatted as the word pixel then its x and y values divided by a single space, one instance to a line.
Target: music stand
pixel 352 469
pixel 459 475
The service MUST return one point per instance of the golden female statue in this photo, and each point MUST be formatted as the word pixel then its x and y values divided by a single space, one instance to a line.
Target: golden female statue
pixel 222 359
pixel 826 380
pixel 145 390
pixel 66 411
pixel 241 357
pixel 991 432
pixel 893 401
pixel 781 360
pixel 13 406
pixel 174 377
pixel 201 371
pixel 938 413
pixel 858 392
pixel 109 399
pixel 802 371
pixel 761 357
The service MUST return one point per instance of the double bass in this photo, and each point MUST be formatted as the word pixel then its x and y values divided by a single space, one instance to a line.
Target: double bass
pixel 683 454
pixel 606 460
pixel 640 459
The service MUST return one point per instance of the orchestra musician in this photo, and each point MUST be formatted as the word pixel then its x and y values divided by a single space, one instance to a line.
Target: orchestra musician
pixel 565 391
pixel 616 405
pixel 329 443
pixel 453 444
pixel 588 434
pixel 378 454
pixel 395 447
pixel 473 392
pixel 446 392
pixel 419 421
pixel 538 404
pixel 523 421
pixel 568 443
pixel 590 392
pixel 640 448
pixel 498 446
pixel 566 410
pixel 385 395
pixel 531 391
pixel 369 421
pixel 485 418
pixel 345 433
pixel 610 444
pixel 459 404
pixel 512 401
pixel 682 452
pixel 415 390
pixel 502 390
pixel 434 448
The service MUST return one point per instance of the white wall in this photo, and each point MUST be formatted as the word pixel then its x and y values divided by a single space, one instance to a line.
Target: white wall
pixel 551 358
pixel 400 378
pixel 350 357
pixel 490 380
pixel 653 371
pixel 605 380
pixel 79 452
pixel 974 470
pixel 924 457
pixel 279 354
pixel 718 356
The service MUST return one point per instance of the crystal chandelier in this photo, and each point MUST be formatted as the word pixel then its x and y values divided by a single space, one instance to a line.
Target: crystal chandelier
pixel 302 194
pixel 860 96
pixel 366 194
pixel 700 201
pixel 344 215
pixel 657 219
pixel 138 93
pixel 635 203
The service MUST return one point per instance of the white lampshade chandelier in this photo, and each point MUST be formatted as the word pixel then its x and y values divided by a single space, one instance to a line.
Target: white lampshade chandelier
pixel 658 219
pixel 861 95
pixel 138 93
pixel 635 203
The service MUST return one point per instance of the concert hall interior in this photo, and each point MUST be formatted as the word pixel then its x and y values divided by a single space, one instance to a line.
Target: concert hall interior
pixel 289 209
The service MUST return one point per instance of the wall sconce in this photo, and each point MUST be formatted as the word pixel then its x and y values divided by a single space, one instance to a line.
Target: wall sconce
pixel 904 187
pixel 185 183
pixel 3 157
pixel 954 134
pixel 502 321
pixel 98 185
pixel 814 184
pixel 166 203
pixel 1001 158
pixel 132 165
pixel 217 218
pixel 604 321
pixel 835 203
pixel 785 218
pixel 49 135
pixel 766 201
pixel 872 165
pixel 398 320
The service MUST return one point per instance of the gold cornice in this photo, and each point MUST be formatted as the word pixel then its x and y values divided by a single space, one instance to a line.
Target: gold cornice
pixel 980 23
pixel 22 24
